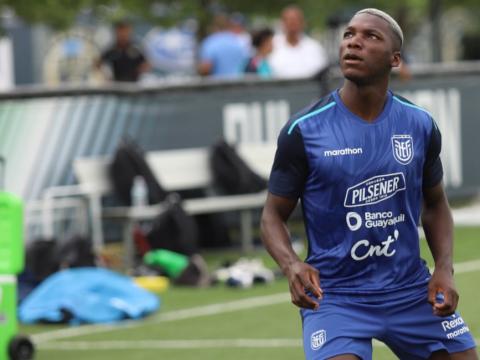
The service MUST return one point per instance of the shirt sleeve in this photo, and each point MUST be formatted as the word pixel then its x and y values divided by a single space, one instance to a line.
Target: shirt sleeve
pixel 290 166
pixel 433 169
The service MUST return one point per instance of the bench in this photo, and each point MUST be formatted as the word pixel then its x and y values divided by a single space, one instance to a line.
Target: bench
pixel 175 170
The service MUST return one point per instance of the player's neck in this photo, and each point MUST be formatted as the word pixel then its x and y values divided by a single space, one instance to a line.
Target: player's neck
pixel 366 101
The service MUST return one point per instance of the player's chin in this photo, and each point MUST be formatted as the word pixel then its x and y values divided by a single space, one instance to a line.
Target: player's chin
pixel 352 71
pixel 356 77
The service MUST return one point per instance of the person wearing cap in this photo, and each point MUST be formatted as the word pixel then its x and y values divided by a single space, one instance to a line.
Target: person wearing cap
pixel 366 165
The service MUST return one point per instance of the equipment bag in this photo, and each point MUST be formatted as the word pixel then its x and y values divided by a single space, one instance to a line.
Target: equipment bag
pixel 42 258
pixel 174 229
pixel 230 173
pixel 129 162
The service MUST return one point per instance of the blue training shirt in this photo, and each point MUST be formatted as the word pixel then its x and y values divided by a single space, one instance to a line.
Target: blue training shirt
pixel 360 185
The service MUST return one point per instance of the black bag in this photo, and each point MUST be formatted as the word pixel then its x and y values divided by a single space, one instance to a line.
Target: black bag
pixel 174 229
pixel 42 258
pixel 213 227
pixel 127 163
pixel 231 174
pixel 76 251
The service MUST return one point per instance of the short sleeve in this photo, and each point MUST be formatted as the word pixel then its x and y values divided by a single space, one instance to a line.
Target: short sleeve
pixel 433 169
pixel 290 166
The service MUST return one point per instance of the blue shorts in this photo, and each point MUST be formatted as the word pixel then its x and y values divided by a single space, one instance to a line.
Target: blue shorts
pixel 347 324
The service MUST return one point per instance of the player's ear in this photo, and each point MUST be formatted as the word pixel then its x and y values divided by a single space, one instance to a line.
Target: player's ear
pixel 396 59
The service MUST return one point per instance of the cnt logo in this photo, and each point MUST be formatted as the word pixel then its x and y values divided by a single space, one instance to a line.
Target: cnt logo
pixel 317 339
pixel 364 249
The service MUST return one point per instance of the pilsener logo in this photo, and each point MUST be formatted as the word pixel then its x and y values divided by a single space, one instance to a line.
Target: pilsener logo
pixel 374 190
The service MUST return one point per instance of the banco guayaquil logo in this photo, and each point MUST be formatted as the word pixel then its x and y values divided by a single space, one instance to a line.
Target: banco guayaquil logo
pixel 317 339
pixel 402 146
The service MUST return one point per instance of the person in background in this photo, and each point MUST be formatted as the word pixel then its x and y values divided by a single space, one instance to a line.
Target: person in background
pixel 238 27
pixel 262 41
pixel 221 53
pixel 124 58
pixel 295 54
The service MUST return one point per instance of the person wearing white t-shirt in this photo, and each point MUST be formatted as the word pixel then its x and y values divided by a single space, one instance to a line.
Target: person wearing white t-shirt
pixel 295 54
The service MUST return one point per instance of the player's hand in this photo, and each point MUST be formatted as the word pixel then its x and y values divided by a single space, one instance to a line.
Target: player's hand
pixel 302 278
pixel 442 283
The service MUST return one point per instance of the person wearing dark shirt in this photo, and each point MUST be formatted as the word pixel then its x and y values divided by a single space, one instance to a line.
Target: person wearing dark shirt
pixel 124 58
pixel 262 41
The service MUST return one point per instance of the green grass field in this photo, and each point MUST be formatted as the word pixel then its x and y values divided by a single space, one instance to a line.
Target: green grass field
pixel 225 323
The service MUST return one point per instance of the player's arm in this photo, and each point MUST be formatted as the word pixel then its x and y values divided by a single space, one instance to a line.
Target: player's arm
pixel 143 64
pixel 438 226
pixel 204 68
pixel 206 58
pixel 286 185
pixel 276 239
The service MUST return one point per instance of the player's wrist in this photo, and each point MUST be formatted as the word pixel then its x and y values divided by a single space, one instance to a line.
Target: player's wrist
pixel 446 268
pixel 290 265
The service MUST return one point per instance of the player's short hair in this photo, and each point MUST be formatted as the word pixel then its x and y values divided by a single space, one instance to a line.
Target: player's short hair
pixel 396 29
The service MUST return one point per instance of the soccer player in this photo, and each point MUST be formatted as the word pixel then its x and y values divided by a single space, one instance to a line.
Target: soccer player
pixel 365 164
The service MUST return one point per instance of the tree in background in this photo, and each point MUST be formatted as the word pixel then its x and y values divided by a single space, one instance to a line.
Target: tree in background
pixel 61 14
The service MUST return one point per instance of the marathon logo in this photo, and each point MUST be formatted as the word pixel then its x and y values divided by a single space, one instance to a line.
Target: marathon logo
pixel 343 152
pixel 374 190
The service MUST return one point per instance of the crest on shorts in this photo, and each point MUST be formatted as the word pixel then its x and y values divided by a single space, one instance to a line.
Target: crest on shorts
pixel 402 146
pixel 317 339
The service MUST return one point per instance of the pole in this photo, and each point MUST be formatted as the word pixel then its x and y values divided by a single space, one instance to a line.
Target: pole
pixel 436 33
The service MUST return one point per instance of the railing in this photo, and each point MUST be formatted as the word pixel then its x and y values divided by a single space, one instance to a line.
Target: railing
pixel 43 129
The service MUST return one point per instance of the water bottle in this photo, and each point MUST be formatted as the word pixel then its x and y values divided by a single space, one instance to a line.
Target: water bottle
pixel 139 192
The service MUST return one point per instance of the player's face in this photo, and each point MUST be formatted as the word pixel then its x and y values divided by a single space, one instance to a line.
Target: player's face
pixel 367 49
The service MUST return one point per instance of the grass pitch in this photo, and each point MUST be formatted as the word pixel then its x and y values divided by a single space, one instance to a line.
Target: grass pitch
pixel 225 323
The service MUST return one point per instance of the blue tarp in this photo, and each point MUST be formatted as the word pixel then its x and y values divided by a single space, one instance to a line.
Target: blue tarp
pixel 87 295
